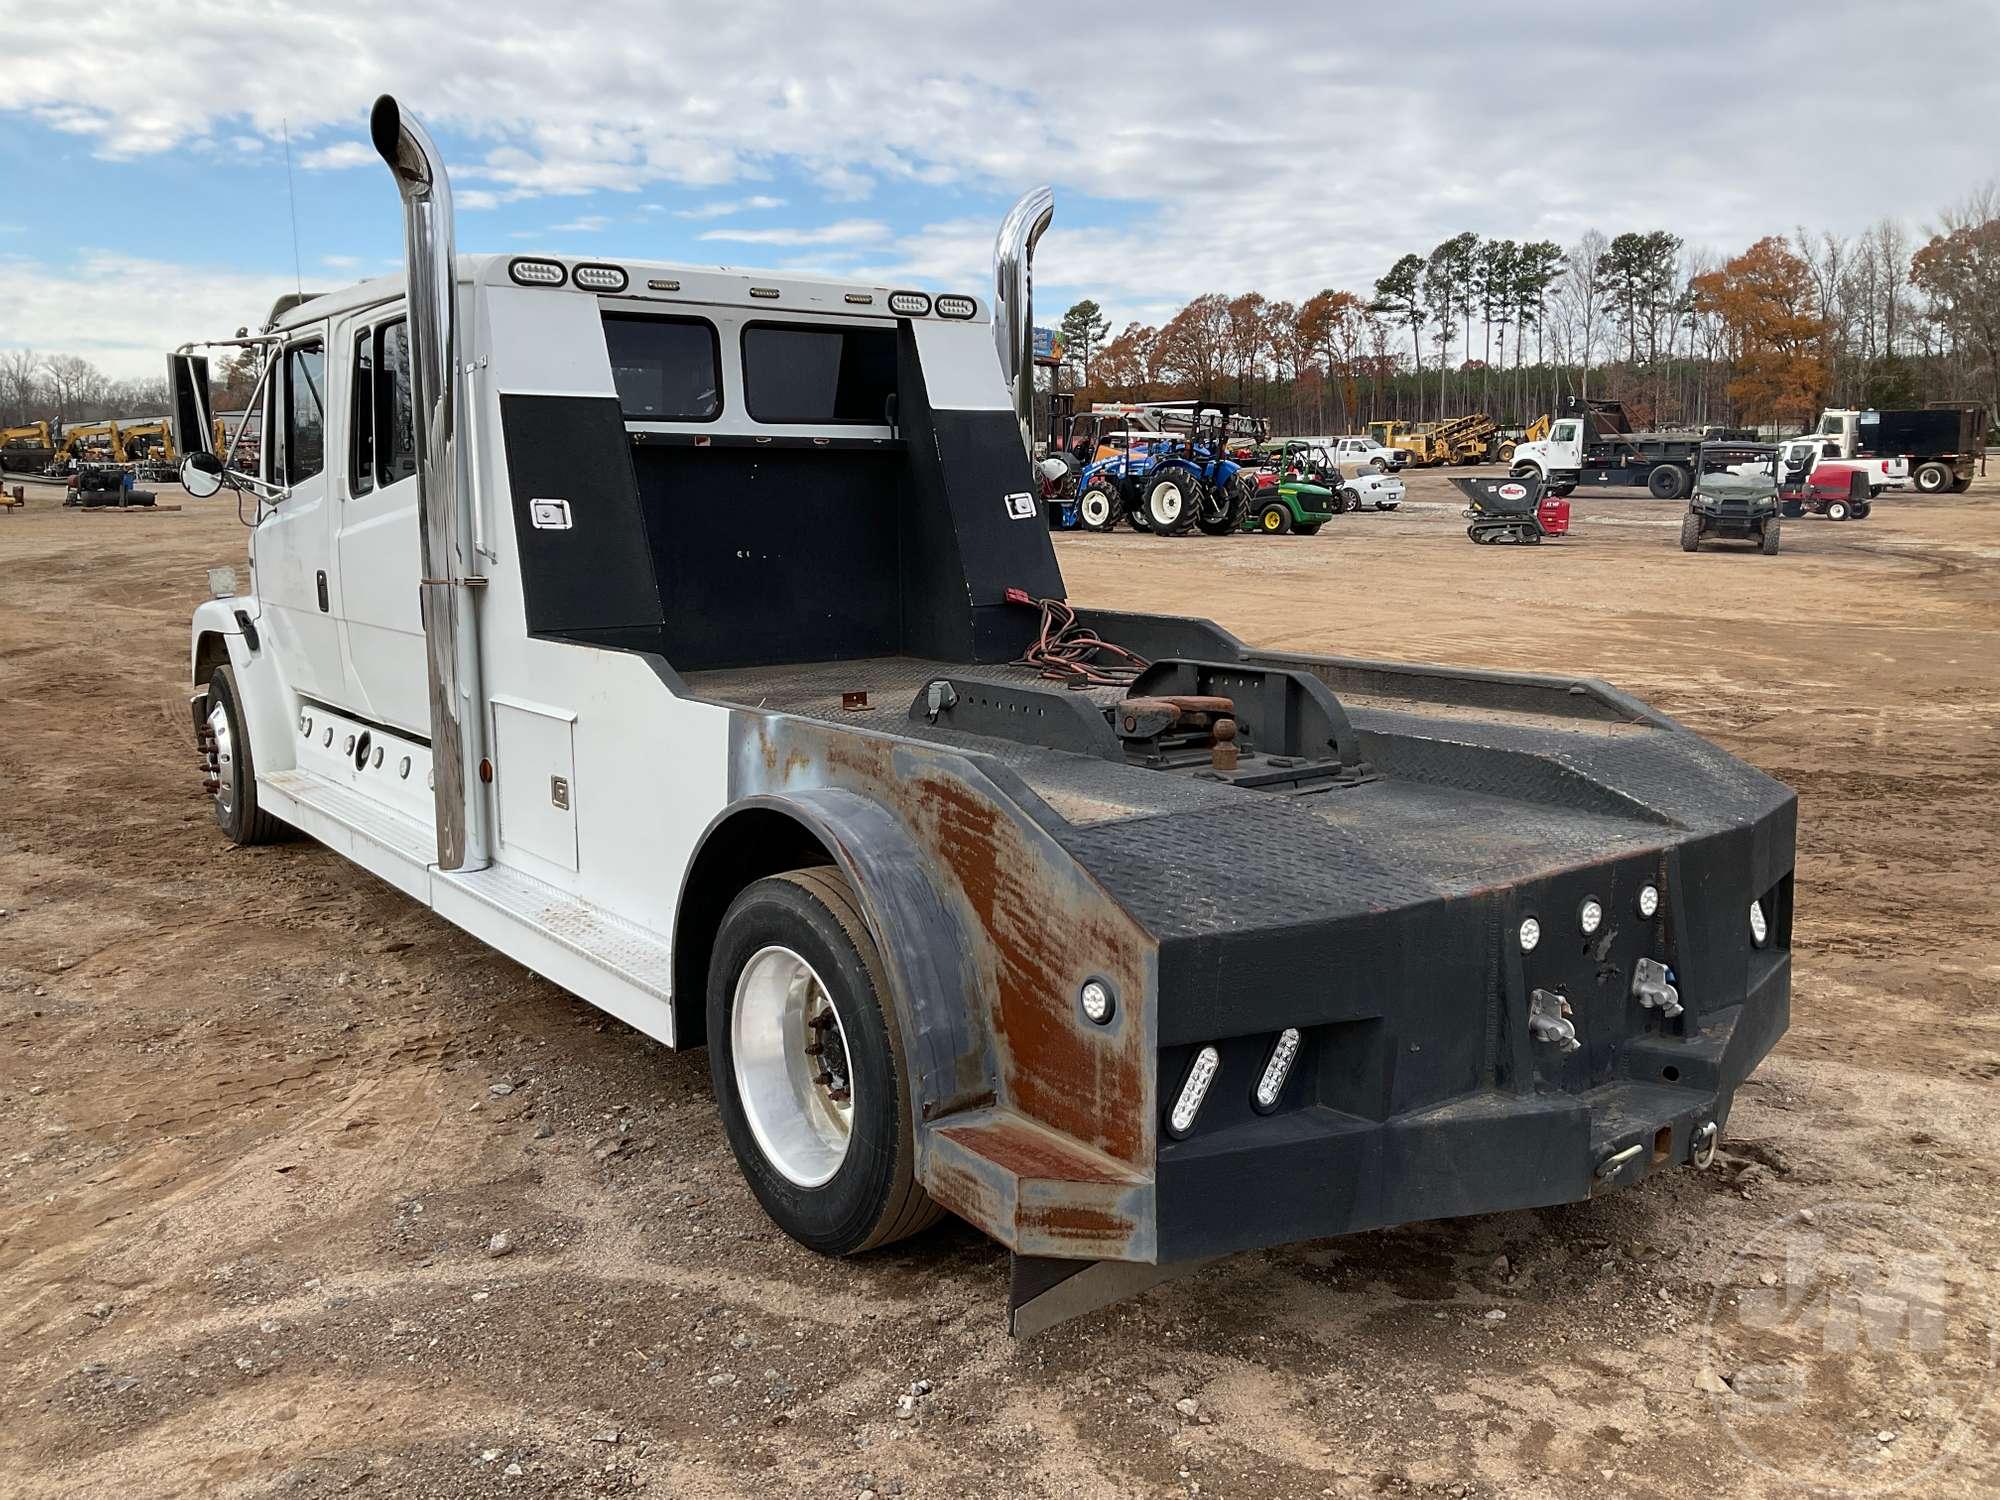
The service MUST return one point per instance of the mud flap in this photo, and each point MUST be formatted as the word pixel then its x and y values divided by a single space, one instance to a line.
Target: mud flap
pixel 1047 1291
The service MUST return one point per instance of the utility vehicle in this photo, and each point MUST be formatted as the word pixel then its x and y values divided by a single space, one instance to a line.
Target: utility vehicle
pixel 1838 491
pixel 1511 511
pixel 1735 497
pixel 1287 502
pixel 1129 942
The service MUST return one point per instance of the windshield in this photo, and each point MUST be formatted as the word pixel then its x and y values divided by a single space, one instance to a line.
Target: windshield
pixel 1829 424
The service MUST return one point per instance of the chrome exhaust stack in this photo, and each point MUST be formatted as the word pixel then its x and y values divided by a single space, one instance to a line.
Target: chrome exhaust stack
pixel 443 486
pixel 1014 300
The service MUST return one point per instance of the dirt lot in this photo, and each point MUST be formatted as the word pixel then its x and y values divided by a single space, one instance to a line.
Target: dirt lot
pixel 263 1116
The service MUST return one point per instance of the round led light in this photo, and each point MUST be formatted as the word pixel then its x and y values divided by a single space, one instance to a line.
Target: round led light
pixel 1095 998
pixel 1531 934
pixel 1760 929
pixel 1649 900
pixel 1591 916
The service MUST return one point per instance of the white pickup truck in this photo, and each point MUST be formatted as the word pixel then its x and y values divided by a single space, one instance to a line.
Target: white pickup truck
pixel 1365 452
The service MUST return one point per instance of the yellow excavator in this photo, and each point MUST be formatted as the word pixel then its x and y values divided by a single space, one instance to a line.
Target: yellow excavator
pixel 27 449
pixel 77 443
pixel 151 446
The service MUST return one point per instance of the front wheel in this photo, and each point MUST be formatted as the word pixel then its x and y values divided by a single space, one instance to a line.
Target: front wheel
pixel 808 1066
pixel 1099 506
pixel 1690 532
pixel 1274 520
pixel 1767 540
pixel 232 773
pixel 1836 510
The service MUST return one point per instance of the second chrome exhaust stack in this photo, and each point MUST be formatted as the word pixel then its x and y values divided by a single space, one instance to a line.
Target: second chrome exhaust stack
pixel 445 494
pixel 1014 300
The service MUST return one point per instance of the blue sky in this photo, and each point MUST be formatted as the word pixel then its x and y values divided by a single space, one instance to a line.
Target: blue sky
pixel 1295 149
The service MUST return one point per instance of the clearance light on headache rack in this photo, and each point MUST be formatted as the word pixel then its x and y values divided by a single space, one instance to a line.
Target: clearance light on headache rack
pixel 1199 1076
pixel 1272 1083
pixel 763 291
pixel 953 306
pixel 859 299
pixel 599 278
pixel 527 272
pixel 663 284
pixel 909 304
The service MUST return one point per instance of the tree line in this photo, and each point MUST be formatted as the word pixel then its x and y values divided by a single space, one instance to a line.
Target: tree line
pixel 1684 337
pixel 68 388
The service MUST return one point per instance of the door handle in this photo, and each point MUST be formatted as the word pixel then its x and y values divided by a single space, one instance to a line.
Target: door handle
pixel 322 590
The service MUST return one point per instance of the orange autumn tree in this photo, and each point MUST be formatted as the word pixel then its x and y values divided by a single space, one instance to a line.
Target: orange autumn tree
pixel 1775 330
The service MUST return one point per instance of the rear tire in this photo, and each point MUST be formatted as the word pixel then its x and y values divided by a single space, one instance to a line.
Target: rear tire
pixel 1934 478
pixel 1767 542
pixel 1308 528
pixel 1861 510
pixel 1960 483
pixel 1690 532
pixel 1173 501
pixel 1666 482
pixel 792 949
pixel 235 797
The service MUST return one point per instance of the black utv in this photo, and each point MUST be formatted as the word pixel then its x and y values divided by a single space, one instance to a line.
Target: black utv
pixel 1735 496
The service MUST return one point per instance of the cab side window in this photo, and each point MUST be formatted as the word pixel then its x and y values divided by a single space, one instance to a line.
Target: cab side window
pixel 361 416
pixel 305 411
pixel 395 408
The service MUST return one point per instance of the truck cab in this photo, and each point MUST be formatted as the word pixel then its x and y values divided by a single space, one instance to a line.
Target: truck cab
pixel 693 636
pixel 1838 436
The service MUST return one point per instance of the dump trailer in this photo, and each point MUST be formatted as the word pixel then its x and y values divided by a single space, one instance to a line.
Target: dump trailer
pixel 1127 941
pixel 1590 443
pixel 1941 445
pixel 26 450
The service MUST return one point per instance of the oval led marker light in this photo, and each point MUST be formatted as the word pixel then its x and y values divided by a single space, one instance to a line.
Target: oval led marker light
pixel 1760 929
pixel 1590 916
pixel 1095 998
pixel 537 272
pixel 1200 1075
pixel 598 278
pixel 909 304
pixel 859 299
pixel 663 284
pixel 955 306
pixel 1272 1083
pixel 1531 934
pixel 1649 900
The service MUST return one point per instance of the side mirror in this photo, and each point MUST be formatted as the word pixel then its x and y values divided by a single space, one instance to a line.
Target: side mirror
pixel 201 475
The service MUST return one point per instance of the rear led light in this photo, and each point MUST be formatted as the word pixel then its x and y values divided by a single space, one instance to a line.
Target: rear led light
pixel 1095 998
pixel 954 306
pixel 537 272
pixel 1760 928
pixel 909 304
pixel 1531 934
pixel 1591 916
pixel 1194 1090
pixel 1649 900
pixel 1272 1083
pixel 600 278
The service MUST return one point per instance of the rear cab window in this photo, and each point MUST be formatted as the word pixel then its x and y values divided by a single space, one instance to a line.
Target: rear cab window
pixel 383 448
pixel 666 369
pixel 814 374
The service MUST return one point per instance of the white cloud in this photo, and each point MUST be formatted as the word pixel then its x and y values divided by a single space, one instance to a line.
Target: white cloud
pixel 124 312
pixel 340 155
pixel 340 262
pixel 841 232
pixel 723 209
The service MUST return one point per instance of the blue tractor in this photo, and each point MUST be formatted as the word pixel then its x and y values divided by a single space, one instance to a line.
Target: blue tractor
pixel 1193 482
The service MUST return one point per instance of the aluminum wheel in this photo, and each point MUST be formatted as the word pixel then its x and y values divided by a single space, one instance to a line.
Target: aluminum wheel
pixel 225 760
pixel 792 1072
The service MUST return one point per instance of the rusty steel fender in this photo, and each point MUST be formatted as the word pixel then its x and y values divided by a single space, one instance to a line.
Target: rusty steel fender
pixel 1032 1122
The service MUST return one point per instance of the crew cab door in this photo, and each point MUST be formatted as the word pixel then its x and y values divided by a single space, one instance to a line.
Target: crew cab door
pixel 381 619
pixel 293 545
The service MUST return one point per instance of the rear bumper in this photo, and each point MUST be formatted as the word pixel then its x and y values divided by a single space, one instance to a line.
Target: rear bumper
pixel 1316 1172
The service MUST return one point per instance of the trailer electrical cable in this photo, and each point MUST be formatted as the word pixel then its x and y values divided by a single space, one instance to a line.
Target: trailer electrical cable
pixel 1073 654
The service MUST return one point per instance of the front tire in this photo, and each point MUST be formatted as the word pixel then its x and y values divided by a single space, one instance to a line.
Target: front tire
pixel 1767 541
pixel 1836 510
pixel 228 746
pixel 1100 505
pixel 808 1068
pixel 1690 532
pixel 1274 520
